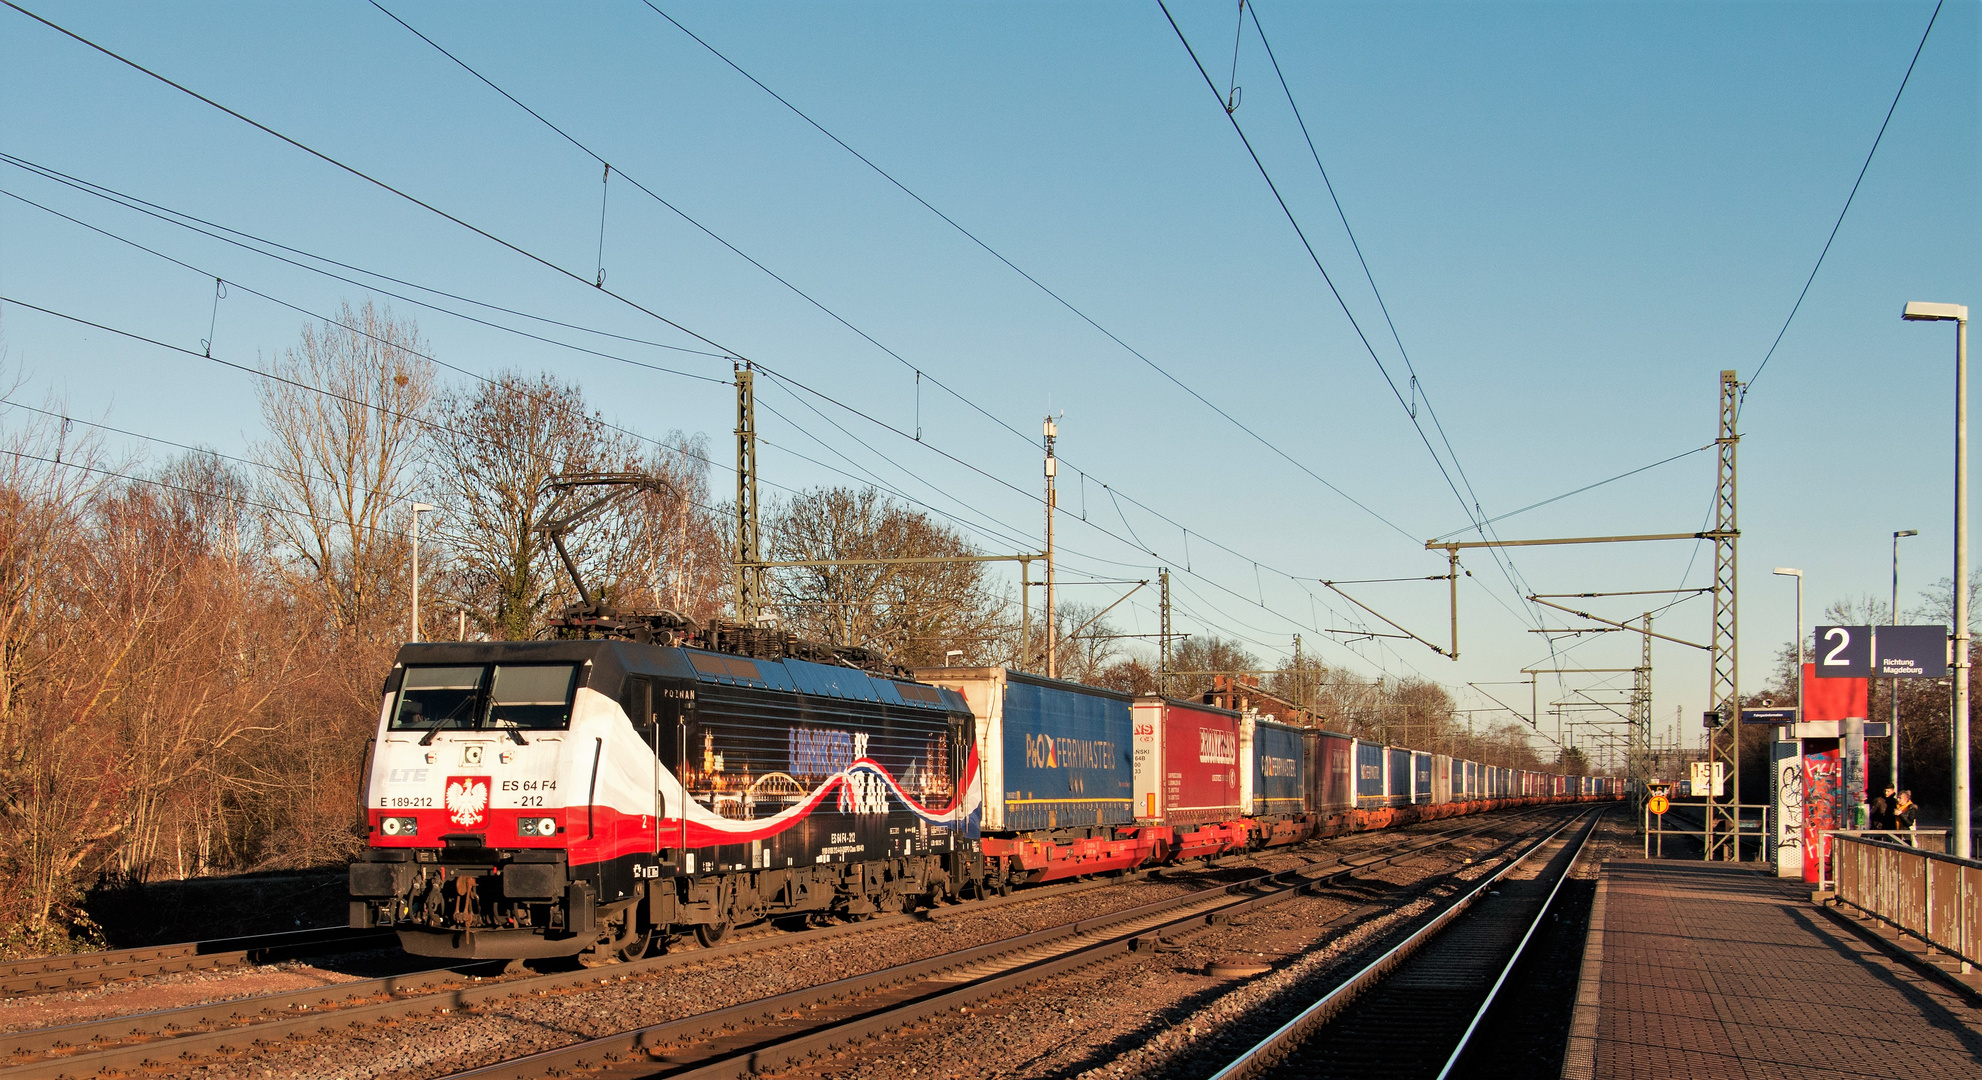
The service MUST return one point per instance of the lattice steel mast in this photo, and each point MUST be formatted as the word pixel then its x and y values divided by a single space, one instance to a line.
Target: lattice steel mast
pixel 1723 686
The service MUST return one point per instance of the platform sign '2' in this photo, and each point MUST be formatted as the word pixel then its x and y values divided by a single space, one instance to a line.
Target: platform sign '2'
pixel 1844 652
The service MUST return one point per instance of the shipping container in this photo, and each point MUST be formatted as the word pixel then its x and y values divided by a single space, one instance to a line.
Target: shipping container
pixel 1333 777
pixel 1369 775
pixel 1396 776
pixel 1186 763
pixel 1270 759
pixel 1420 777
pixel 1051 754
pixel 1441 779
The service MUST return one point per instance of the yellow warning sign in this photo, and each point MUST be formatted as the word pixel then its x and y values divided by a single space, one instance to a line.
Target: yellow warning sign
pixel 1658 805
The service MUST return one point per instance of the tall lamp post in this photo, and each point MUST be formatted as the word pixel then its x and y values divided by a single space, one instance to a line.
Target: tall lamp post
pixel 1785 825
pixel 418 509
pixel 1895 622
pixel 1957 314
pixel 1798 575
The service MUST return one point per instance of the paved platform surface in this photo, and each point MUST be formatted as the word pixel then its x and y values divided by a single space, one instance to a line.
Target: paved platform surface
pixel 1710 970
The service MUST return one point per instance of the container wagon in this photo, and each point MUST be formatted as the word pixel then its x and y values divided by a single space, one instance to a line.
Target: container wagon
pixel 1396 776
pixel 1333 778
pixel 1369 776
pixel 1057 771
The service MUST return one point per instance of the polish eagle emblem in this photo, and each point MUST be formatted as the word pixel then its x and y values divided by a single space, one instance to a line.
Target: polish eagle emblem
pixel 467 799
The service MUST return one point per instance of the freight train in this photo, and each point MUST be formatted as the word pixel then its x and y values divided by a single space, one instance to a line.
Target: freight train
pixel 587 798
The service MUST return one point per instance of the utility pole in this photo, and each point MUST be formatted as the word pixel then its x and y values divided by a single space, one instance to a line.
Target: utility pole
pixel 1639 762
pixel 1163 646
pixel 1025 614
pixel 1052 431
pixel 1300 677
pixel 418 509
pixel 749 551
pixel 1723 825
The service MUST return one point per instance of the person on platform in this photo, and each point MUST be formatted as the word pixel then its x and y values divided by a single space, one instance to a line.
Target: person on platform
pixel 1905 816
pixel 1881 816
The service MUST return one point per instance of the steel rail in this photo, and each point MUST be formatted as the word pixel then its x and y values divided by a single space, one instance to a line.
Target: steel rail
pixel 257 1009
pixel 1507 970
pixel 1272 1049
pixel 50 974
pixel 265 1013
pixel 917 989
pixel 262 1018
pixel 266 1016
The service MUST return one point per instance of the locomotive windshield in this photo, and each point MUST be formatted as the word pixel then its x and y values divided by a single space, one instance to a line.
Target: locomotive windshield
pixel 533 697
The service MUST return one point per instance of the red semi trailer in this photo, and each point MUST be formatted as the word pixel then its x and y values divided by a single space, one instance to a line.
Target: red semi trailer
pixel 1187 775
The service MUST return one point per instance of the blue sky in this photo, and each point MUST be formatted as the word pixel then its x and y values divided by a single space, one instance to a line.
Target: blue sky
pixel 1577 214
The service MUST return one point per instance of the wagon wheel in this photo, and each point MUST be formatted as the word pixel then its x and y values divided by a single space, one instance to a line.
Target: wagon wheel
pixel 637 948
pixel 710 935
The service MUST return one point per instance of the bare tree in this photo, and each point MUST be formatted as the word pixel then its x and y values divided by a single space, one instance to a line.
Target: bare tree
pixel 346 411
pixel 1204 654
pixel 504 440
pixel 915 612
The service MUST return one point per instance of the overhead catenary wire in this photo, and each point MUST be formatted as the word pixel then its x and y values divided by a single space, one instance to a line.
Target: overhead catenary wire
pixel 1839 223
pixel 1313 256
pixel 919 372
pixel 1503 559
pixel 1471 510
pixel 246 241
pixel 485 233
pixel 1036 283
pixel 718 464
pixel 387 187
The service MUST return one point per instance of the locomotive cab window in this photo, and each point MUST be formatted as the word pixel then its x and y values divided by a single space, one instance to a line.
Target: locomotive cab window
pixel 509 697
pixel 433 698
pixel 535 697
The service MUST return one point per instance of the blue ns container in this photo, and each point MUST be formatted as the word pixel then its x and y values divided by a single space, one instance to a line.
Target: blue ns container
pixel 1279 786
pixel 1369 775
pixel 1420 777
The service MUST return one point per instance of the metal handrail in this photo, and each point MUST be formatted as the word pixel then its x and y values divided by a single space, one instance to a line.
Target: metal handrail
pixel 1898 885
pixel 1824 881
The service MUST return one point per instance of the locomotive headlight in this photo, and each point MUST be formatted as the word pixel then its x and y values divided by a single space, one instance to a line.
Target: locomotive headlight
pixel 399 826
pixel 543 826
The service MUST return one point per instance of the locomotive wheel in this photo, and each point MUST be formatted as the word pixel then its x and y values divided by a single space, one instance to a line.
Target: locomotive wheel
pixel 710 935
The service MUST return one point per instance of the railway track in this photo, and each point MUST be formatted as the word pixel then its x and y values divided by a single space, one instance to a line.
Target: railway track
pixel 774 1032
pixel 132 1041
pixel 50 974
pixel 1416 1009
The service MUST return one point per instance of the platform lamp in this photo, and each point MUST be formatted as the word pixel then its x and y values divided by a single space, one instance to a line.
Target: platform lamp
pixel 1798 575
pixel 1895 622
pixel 1957 314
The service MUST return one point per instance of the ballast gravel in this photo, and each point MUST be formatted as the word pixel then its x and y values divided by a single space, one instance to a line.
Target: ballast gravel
pixel 432 1045
pixel 435 1044
pixel 1159 1015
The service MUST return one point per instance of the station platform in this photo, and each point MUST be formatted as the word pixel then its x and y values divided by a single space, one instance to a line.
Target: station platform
pixel 1715 970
